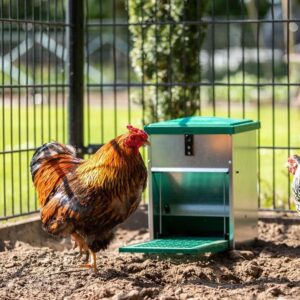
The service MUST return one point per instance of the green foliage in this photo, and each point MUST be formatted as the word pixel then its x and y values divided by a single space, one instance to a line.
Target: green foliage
pixel 234 89
pixel 167 52
pixel 237 7
pixel 33 9
pixel 56 10
pixel 96 10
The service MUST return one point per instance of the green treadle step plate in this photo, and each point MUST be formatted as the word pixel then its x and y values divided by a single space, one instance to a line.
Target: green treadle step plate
pixel 191 245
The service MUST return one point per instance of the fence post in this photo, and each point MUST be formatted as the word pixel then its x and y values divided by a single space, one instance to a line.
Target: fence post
pixel 75 17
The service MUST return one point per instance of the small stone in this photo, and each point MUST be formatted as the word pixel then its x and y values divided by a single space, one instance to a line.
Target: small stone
pixel 149 292
pixel 189 271
pixel 9 265
pixel 274 291
pixel 178 291
pixel 241 254
pixel 21 282
pixel 78 285
pixel 167 298
pixel 119 296
pixel 286 260
pixel 46 260
pixel 183 296
pixel 266 253
pixel 133 295
pixel 290 284
pixel 134 268
pixel 247 254
pixel 235 254
pixel 11 285
pixel 253 269
pixel 60 268
pixel 148 264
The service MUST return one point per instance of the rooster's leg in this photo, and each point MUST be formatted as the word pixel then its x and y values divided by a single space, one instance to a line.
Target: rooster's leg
pixel 92 264
pixel 87 256
pixel 79 242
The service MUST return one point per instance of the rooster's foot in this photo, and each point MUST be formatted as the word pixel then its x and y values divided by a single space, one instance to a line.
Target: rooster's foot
pixel 92 264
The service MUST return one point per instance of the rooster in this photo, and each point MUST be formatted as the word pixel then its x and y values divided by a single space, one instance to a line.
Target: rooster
pixel 292 165
pixel 88 198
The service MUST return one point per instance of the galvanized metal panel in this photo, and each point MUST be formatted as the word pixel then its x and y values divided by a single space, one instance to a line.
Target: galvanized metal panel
pixel 210 151
pixel 244 188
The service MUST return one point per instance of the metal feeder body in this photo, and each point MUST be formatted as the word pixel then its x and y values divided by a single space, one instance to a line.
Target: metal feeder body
pixel 203 185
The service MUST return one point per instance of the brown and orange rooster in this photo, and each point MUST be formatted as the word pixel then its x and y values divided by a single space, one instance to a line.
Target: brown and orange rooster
pixel 88 198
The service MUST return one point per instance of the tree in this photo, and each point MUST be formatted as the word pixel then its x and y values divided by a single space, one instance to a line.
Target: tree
pixel 165 51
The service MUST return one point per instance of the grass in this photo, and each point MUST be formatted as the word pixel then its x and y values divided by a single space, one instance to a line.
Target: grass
pixel 32 126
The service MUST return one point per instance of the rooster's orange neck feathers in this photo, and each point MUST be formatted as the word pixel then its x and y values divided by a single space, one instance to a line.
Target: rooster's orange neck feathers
pixel 109 165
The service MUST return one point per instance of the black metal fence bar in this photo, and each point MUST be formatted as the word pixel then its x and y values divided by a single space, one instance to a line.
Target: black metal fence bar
pixel 76 69
pixel 273 112
pixel 288 98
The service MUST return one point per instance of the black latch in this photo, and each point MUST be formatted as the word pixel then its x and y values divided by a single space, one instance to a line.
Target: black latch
pixel 167 208
pixel 189 144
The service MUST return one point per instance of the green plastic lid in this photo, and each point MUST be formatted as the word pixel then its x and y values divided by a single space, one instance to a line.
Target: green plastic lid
pixel 202 125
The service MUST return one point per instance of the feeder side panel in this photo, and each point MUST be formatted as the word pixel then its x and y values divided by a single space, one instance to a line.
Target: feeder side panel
pixel 244 187
pixel 150 187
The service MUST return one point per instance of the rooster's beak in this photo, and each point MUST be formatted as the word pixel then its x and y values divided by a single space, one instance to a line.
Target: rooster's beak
pixel 147 143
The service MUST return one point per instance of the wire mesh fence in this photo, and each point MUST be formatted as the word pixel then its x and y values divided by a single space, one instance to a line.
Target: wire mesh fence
pixel 143 61
pixel 33 86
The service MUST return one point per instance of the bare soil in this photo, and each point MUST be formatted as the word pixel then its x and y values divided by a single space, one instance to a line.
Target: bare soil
pixel 269 269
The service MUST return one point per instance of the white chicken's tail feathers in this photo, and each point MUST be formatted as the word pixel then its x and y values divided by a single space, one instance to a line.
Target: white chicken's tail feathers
pixel 46 151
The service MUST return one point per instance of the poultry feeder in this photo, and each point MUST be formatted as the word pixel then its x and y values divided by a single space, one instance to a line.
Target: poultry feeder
pixel 203 185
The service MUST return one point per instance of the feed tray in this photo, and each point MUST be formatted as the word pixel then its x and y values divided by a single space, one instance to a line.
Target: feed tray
pixel 187 245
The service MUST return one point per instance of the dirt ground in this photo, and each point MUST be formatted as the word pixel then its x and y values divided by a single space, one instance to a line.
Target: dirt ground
pixel 270 269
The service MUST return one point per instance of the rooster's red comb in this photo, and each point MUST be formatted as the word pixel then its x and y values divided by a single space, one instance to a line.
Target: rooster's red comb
pixel 136 130
pixel 132 129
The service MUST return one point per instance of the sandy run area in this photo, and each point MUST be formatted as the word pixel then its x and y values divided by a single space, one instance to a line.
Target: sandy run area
pixel 270 269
